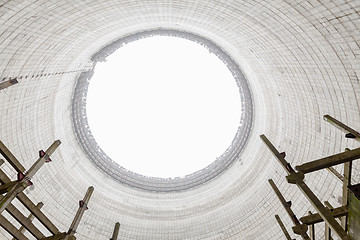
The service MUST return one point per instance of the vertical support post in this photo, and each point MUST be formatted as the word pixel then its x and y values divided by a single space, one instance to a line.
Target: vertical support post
pixel 298 179
pixel 24 180
pixel 327 228
pixel 299 229
pixel 30 217
pixel 8 83
pixel 82 207
pixel 346 183
pixel 116 231
pixel 282 227
pixel 311 229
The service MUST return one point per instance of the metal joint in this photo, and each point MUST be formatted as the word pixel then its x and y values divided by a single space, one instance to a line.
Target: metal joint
pixel 295 177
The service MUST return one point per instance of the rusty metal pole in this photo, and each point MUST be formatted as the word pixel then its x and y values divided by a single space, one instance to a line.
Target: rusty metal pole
pixel 299 228
pixel 298 179
pixel 8 83
pixel 82 207
pixel 286 233
pixel 311 229
pixel 25 181
pixel 349 132
pixel 116 231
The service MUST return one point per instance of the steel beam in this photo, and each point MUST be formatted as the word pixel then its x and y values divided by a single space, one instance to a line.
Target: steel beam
pixel 299 229
pixel 24 221
pixel 11 158
pixel 311 229
pixel 13 231
pixel 116 232
pixel 31 207
pixel 298 179
pixel 329 161
pixel 350 133
pixel 286 233
pixel 79 214
pixel 316 218
pixel 8 83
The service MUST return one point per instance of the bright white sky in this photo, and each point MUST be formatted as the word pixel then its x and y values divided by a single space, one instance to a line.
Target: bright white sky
pixel 163 107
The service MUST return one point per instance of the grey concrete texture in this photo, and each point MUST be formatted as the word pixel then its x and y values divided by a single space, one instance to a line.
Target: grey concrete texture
pixel 301 61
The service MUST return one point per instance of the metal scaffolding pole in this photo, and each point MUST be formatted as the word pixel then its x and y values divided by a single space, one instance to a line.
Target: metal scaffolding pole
pixel 346 183
pixel 298 179
pixel 24 179
pixel 26 223
pixel 349 132
pixel 299 229
pixel 31 207
pixel 13 231
pixel 11 158
pixel 82 207
pixel 286 233
pixel 116 232
pixel 8 83
pixel 329 161
pixel 316 218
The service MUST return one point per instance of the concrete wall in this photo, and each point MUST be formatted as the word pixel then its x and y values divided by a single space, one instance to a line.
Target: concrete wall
pixel 301 59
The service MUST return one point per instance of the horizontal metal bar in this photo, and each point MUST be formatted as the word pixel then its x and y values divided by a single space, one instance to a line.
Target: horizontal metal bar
pixel 316 218
pixel 32 207
pixel 329 161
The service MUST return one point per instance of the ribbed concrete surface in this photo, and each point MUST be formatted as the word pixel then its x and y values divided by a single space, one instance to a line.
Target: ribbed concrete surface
pixel 301 59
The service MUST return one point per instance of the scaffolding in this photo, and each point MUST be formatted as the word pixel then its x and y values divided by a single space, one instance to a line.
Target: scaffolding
pixel 325 213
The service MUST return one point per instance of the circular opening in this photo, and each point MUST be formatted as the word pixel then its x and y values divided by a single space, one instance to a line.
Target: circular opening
pixel 163 106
